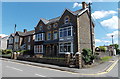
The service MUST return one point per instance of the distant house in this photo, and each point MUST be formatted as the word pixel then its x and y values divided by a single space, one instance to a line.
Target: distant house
pixel 21 40
pixel 3 43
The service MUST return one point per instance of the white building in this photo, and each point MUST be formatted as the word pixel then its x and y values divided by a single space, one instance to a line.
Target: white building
pixel 3 43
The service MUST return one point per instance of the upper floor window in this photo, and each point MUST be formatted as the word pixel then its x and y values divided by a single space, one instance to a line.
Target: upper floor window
pixel 48 35
pixel 65 32
pixel 40 26
pixel 16 38
pixel 55 25
pixel 39 37
pixel 10 40
pixel 49 26
pixel 66 19
pixel 55 35
pixel 28 38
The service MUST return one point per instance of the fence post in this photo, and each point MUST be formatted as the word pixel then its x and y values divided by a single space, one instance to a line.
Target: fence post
pixel 78 60
pixel 67 58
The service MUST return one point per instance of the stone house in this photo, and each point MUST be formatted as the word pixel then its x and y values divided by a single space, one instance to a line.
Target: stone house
pixel 68 33
pixel 21 41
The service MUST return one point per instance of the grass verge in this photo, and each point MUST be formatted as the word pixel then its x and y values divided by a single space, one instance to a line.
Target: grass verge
pixel 106 58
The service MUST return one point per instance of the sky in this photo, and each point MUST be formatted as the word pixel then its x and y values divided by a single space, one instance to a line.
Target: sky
pixel 26 15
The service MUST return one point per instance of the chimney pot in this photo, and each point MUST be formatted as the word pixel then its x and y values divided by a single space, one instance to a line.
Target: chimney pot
pixel 84 5
pixel 25 30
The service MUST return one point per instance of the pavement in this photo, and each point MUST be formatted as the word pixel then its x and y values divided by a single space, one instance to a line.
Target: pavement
pixel 103 68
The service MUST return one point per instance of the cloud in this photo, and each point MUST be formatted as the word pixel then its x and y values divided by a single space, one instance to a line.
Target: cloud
pixel 98 40
pixel 101 41
pixel 102 14
pixel 111 23
pixel 76 5
pixel 3 35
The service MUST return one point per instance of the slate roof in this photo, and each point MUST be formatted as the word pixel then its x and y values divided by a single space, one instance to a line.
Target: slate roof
pixel 57 18
pixel 27 33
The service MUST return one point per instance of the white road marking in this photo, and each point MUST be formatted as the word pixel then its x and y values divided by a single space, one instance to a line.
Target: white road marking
pixel 40 75
pixel 14 68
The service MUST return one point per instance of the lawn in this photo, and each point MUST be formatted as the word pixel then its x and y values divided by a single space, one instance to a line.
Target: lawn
pixel 106 58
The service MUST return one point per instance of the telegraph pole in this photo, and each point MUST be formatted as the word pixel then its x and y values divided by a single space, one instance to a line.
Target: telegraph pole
pixel 91 27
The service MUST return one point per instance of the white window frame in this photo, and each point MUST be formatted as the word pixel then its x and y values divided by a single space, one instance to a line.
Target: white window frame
pixel 37 49
pixel 67 31
pixel 39 37
pixel 67 47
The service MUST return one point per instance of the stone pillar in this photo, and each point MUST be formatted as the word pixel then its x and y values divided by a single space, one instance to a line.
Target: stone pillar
pixel 78 59
pixel 67 58
pixel 12 55
pixel 15 55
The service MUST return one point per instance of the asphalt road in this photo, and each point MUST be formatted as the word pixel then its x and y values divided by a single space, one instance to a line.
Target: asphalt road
pixel 13 69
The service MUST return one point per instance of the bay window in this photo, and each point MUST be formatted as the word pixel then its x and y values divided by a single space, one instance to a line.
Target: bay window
pixel 65 47
pixel 39 37
pixel 38 48
pixel 65 32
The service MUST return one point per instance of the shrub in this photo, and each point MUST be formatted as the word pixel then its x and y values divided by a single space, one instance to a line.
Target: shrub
pixel 7 51
pixel 87 56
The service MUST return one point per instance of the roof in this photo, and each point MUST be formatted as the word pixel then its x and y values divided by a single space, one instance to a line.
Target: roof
pixel 27 33
pixel 77 12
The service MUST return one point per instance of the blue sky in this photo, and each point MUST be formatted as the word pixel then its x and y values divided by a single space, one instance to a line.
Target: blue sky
pixel 27 14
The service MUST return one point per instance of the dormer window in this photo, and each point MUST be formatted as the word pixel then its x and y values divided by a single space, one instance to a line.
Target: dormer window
pixel 55 25
pixel 49 26
pixel 40 26
pixel 66 20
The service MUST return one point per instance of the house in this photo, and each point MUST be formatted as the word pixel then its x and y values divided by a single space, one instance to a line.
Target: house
pixel 3 43
pixel 10 41
pixel 68 33
pixel 21 40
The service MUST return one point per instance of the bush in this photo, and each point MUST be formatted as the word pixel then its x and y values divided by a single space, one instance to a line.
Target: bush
pixel 87 56
pixel 7 51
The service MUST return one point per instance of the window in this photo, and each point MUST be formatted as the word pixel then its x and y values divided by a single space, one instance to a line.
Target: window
pixel 55 25
pixel 39 37
pixel 10 40
pixel 65 47
pixel 28 38
pixel 28 47
pixel 38 48
pixel 16 38
pixel 10 46
pixel 48 35
pixel 40 27
pixel 49 26
pixel 66 20
pixel 65 32
pixel 55 35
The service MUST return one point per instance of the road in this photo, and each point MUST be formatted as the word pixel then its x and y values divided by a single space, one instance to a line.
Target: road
pixel 13 69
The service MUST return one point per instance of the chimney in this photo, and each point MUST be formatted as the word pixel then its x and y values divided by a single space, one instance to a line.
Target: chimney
pixel 84 5
pixel 25 30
